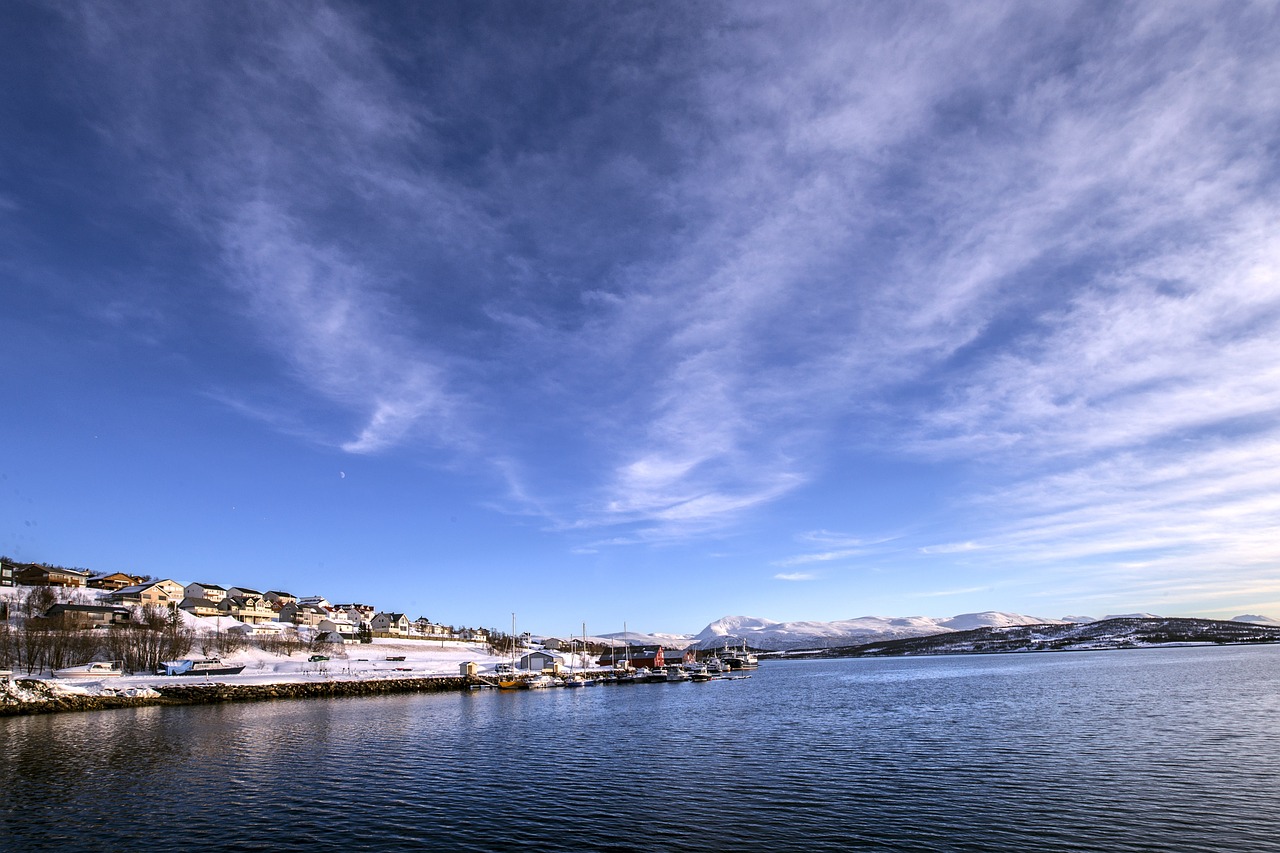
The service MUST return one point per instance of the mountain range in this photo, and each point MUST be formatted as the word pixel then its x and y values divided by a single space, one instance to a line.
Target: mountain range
pixel 759 633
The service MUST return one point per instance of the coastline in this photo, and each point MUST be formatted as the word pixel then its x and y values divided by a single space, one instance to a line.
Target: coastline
pixel 48 700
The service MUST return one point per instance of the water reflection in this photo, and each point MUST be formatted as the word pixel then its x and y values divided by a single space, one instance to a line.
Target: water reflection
pixel 1068 752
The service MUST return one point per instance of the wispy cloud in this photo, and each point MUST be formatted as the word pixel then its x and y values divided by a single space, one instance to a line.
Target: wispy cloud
pixel 657 304
pixel 795 576
pixel 951 548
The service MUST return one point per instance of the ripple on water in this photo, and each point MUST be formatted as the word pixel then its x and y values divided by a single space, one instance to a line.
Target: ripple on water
pixel 1106 751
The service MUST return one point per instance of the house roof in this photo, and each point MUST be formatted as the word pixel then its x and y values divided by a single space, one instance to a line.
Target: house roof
pixel 244 590
pixel 197 602
pixel 543 653
pixel 394 617
pixel 208 586
pixel 138 587
pixel 27 567
pixel 83 608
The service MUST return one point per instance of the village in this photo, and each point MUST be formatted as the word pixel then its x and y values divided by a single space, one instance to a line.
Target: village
pixel 119 631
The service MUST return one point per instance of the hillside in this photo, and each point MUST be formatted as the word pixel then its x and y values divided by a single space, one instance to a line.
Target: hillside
pixel 1115 633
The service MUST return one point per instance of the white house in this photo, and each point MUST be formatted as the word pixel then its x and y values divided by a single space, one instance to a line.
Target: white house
pixel 209 591
pixel 390 624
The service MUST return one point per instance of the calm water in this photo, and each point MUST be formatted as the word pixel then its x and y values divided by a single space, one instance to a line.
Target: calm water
pixel 1173 749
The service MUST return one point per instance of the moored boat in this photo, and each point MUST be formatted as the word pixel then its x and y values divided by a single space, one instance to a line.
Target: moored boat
pixel 739 659
pixel 200 666
pixel 95 669
pixel 701 673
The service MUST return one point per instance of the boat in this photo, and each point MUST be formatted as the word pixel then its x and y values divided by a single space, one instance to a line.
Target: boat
pixel 738 659
pixel 96 669
pixel 701 673
pixel 539 682
pixel 714 665
pixel 200 666
pixel 675 672
pixel 506 672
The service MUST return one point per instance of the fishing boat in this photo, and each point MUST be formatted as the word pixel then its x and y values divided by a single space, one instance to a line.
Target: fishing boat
pixel 738 659
pixel 96 669
pixel 201 666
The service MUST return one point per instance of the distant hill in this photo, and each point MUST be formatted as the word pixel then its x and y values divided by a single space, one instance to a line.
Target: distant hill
pixel 1256 620
pixel 766 634
pixel 1115 633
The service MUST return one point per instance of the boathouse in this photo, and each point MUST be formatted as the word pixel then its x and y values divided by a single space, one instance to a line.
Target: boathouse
pixel 652 657
pixel 537 661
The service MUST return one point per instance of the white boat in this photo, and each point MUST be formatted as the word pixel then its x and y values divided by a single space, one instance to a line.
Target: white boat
pixel 539 682
pixel 202 666
pixel 675 672
pixel 96 669
pixel 701 673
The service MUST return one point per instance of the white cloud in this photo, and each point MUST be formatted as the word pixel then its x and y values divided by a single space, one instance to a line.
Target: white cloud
pixel 795 576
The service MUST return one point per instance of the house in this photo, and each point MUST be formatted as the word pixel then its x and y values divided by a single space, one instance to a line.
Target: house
pixel 302 614
pixel 144 594
pixel 279 599
pixel 200 606
pixel 34 574
pixel 554 644
pixel 172 588
pixel 539 661
pixel 475 635
pixel 209 591
pixel 333 637
pixel 6 573
pixel 366 611
pixel 426 628
pixel 257 629
pixel 343 628
pixel 652 657
pixel 389 625
pixel 112 582
pixel 672 656
pixel 89 615
pixel 316 601
pixel 247 608
pixel 243 592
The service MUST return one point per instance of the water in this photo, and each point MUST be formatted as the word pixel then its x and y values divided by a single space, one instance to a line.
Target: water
pixel 1169 749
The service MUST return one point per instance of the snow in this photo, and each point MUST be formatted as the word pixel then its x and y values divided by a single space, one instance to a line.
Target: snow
pixel 767 634
pixel 1256 620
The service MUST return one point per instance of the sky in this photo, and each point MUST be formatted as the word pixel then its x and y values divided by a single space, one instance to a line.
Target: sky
pixel 648 312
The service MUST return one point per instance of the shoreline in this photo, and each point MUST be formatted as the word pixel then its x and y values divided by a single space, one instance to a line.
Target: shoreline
pixel 51 701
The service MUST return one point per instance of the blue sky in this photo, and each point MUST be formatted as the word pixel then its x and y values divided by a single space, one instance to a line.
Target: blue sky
pixel 648 312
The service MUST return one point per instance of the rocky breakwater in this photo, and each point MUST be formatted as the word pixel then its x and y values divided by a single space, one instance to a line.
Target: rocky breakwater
pixel 37 696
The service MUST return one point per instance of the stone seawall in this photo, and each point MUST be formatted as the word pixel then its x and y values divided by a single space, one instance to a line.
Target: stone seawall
pixel 40 698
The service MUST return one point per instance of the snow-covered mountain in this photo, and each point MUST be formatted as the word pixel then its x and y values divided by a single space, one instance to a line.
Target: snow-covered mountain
pixel 1256 620
pixel 636 638
pixel 766 634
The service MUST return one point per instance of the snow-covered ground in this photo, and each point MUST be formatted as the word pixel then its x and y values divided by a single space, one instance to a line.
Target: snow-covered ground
pixel 366 661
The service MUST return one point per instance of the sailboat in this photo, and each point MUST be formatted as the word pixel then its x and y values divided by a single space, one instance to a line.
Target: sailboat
pixel 507 679
pixel 575 680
